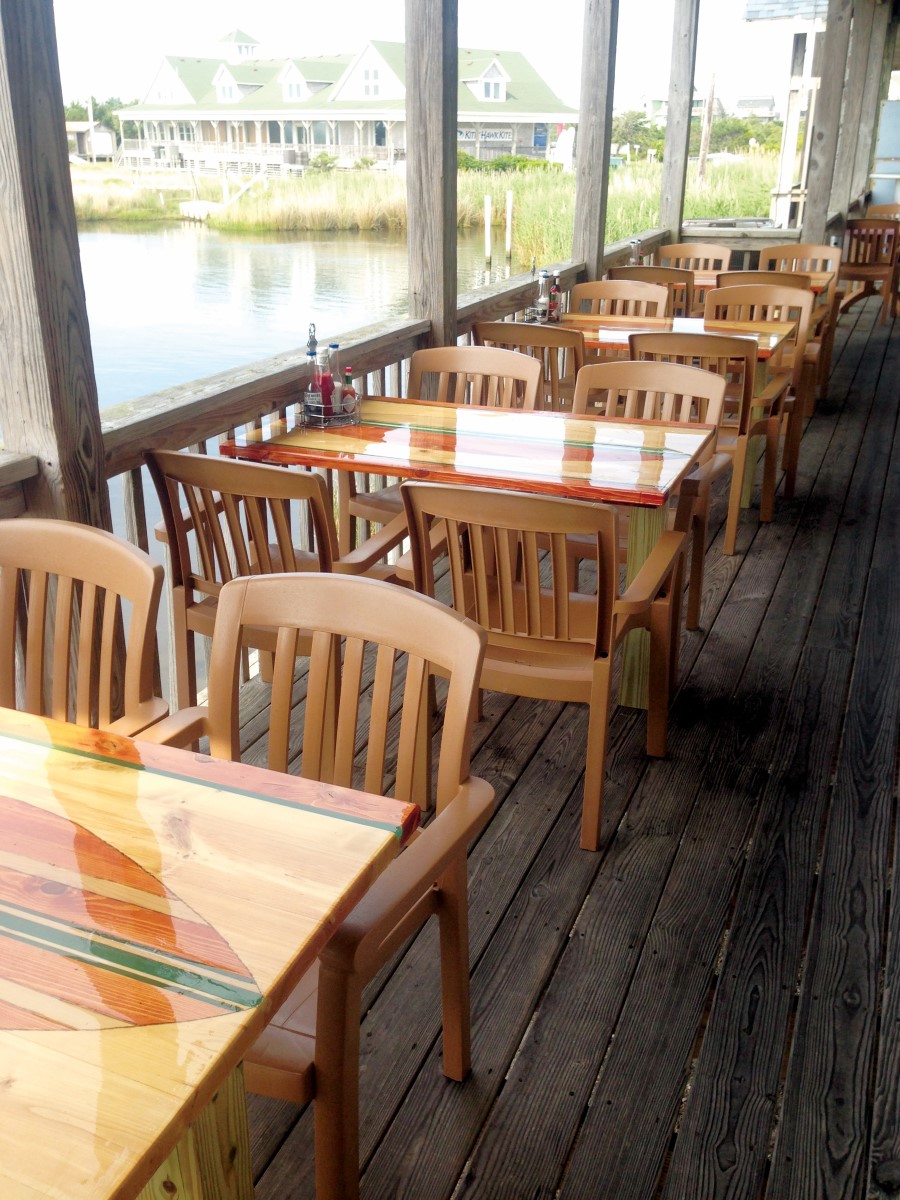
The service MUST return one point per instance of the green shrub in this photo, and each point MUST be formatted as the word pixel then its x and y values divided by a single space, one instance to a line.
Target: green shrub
pixel 322 162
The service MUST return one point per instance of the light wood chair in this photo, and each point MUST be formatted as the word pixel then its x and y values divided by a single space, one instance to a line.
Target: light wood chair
pixel 871 255
pixel 696 256
pixel 457 375
pixel 763 302
pixel 225 519
pixel 545 639
pixel 560 350
pixel 812 256
pixel 746 415
pixel 620 297
pixel 889 212
pixel 678 281
pixel 815 333
pixel 310 1049
pixel 69 594
pixel 654 391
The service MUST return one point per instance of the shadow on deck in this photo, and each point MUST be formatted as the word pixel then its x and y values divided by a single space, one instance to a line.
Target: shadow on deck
pixel 708 1007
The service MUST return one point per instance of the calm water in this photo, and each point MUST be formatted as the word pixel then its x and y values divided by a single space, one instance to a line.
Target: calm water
pixel 172 303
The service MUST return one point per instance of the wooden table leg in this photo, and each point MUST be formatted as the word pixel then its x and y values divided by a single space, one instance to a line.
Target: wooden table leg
pixel 212 1160
pixel 644 528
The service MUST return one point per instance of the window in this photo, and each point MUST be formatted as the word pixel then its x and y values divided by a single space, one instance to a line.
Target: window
pixel 492 89
pixel 370 81
pixel 185 131
pixel 320 133
pixel 294 90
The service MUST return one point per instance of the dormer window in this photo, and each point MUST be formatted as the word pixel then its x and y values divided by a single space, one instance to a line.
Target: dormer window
pixel 227 91
pixel 293 90
pixel 370 81
pixel 492 89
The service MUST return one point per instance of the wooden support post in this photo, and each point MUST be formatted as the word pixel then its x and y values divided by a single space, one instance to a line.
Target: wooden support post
pixel 678 115
pixel 780 210
pixel 858 64
pixel 878 71
pixel 50 394
pixel 826 123
pixel 432 67
pixel 598 74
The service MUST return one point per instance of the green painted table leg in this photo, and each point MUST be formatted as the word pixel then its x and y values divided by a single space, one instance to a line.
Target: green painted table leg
pixel 644 528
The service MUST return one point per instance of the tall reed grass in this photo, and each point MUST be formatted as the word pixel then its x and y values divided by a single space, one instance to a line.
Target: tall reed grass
pixel 543 201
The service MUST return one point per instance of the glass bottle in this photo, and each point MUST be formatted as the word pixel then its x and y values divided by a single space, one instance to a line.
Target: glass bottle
pixel 555 302
pixel 325 380
pixel 312 397
pixel 349 399
pixel 334 355
pixel 542 304
pixel 311 343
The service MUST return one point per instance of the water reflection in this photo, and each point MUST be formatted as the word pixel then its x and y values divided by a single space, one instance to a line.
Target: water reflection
pixel 170 303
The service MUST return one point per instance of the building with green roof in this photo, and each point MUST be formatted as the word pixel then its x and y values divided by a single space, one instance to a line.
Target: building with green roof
pixel 241 111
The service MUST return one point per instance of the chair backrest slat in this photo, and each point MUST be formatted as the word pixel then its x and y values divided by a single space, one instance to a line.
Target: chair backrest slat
pixel 402 631
pixel 652 391
pixel 63 591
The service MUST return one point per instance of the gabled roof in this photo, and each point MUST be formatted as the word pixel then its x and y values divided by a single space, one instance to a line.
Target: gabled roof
pixel 527 95
pixel 237 36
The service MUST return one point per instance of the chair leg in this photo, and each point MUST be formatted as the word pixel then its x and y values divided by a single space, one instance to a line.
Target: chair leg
pixel 595 755
pixel 337 1085
pixel 770 467
pixel 791 453
pixel 700 525
pixel 738 469
pixel 453 918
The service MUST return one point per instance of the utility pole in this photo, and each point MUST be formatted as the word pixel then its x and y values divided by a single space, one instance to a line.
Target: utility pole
pixel 707 127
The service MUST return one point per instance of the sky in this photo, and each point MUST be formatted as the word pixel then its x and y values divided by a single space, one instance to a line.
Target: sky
pixel 110 48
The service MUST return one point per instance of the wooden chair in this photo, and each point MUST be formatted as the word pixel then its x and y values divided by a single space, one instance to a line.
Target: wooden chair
pixel 620 297
pixel 460 375
pixel 545 639
pixel 870 257
pixel 225 519
pixel 746 415
pixel 889 212
pixel 696 256
pixel 63 592
pixel 560 351
pixel 763 302
pixel 655 391
pixel 812 256
pixel 815 333
pixel 678 281
pixel 311 1046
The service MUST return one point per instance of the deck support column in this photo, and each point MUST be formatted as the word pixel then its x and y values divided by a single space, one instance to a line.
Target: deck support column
pixel 878 73
pixel 432 67
pixel 827 121
pixel 50 405
pixel 598 76
pixel 678 115
pixel 858 64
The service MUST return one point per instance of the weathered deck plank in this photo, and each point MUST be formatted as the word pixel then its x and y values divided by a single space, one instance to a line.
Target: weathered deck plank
pixel 637 1028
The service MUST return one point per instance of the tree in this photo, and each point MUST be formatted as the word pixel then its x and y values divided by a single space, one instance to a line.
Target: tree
pixel 632 127
pixel 104 114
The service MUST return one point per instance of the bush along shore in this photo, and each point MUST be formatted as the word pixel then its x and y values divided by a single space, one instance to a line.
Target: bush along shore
pixel 367 199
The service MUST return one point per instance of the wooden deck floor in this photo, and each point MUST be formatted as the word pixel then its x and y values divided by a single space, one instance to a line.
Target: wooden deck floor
pixel 710 1007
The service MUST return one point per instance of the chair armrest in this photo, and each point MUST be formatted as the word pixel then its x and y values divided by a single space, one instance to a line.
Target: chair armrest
pixel 180 729
pixel 654 572
pixel 148 712
pixel 374 548
pixel 355 945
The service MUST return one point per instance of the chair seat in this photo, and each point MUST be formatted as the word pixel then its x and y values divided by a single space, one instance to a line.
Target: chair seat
pixel 280 1061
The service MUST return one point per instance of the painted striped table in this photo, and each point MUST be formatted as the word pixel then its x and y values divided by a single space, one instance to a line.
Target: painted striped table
pixel 155 908
pixel 638 463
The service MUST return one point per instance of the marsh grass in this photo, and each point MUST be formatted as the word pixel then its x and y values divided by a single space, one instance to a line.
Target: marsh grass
pixel 543 201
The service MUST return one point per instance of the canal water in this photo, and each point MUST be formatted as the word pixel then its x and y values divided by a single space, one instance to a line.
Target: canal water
pixel 171 303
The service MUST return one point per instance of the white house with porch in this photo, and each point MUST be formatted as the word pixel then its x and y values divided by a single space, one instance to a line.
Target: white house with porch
pixel 241 111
